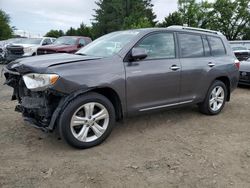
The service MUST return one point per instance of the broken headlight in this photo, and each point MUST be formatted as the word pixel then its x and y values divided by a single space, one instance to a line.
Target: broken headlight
pixel 39 82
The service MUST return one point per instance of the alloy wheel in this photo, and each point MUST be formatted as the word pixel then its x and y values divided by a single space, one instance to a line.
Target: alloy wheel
pixel 89 122
pixel 217 98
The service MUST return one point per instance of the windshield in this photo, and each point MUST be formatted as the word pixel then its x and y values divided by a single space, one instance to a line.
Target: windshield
pixel 14 40
pixel 31 41
pixel 109 44
pixel 66 40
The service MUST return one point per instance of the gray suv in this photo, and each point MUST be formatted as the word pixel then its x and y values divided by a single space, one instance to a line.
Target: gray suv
pixel 122 74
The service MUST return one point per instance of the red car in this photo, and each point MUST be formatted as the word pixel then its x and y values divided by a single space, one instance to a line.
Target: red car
pixel 65 44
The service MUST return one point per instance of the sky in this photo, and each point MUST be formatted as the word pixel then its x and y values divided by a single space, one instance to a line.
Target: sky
pixel 37 17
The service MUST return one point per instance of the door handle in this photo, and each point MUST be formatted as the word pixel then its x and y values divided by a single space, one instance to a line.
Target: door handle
pixel 174 68
pixel 210 64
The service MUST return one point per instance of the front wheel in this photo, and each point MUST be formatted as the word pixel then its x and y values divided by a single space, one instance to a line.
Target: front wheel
pixel 215 99
pixel 87 120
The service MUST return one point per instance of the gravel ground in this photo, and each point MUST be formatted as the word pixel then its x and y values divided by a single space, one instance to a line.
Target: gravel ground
pixel 175 148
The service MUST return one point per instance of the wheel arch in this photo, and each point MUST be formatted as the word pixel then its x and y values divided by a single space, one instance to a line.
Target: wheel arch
pixel 226 81
pixel 114 98
pixel 108 92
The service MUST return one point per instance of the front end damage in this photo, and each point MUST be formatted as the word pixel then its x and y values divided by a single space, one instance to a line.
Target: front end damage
pixel 37 107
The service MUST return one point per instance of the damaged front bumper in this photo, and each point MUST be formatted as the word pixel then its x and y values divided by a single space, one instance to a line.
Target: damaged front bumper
pixel 40 108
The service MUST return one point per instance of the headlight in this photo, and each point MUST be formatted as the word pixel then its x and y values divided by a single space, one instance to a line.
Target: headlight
pixel 27 50
pixel 39 82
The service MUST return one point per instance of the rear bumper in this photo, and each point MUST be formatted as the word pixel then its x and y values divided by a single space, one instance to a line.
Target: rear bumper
pixel 244 78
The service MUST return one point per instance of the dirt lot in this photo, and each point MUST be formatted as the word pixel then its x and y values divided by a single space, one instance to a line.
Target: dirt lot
pixel 177 148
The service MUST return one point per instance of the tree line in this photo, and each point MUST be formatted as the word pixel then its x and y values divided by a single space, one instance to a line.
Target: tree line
pixel 231 17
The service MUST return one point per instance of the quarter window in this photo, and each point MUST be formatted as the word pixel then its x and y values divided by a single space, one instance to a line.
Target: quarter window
pixel 190 45
pixel 159 45
pixel 217 47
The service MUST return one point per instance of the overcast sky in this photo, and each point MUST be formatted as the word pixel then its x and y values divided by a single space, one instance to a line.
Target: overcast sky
pixel 39 16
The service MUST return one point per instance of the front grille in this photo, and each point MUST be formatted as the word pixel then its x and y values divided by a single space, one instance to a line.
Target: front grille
pixel 44 52
pixel 15 50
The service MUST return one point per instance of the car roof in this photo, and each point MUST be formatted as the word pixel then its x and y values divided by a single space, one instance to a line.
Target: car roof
pixel 180 29
pixel 239 41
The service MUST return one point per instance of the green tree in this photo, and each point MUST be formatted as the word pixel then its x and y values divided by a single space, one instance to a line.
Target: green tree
pixel 113 15
pixel 195 14
pixel 246 35
pixel 71 32
pixel 54 33
pixel 230 17
pixel 84 30
pixel 174 18
pixel 5 28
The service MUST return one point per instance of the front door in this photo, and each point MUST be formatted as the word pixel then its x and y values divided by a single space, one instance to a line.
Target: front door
pixel 154 82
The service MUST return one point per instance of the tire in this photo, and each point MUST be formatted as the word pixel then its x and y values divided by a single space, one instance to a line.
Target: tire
pixel 79 124
pixel 207 106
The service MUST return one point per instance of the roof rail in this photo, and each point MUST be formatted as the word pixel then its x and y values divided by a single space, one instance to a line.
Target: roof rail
pixel 194 29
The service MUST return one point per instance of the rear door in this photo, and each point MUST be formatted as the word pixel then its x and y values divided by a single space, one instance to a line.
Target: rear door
pixel 196 62
pixel 154 82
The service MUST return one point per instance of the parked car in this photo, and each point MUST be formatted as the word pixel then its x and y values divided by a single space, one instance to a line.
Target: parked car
pixel 241 52
pixel 26 47
pixel 123 74
pixel 65 44
pixel 245 73
pixel 3 50
pixel 243 43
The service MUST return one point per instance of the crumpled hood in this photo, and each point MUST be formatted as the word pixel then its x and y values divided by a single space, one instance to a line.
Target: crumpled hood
pixel 40 64
pixel 245 66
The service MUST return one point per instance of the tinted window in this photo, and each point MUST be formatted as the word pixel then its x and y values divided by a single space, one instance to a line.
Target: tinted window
pixel 206 47
pixel 217 46
pixel 82 42
pixel 191 45
pixel 160 45
pixel 46 42
pixel 66 40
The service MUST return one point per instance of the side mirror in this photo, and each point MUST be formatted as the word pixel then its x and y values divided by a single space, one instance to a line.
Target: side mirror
pixel 138 53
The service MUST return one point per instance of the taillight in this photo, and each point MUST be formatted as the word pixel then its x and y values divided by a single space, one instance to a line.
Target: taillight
pixel 237 63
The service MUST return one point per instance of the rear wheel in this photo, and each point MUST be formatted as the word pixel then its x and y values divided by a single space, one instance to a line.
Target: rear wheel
pixel 215 99
pixel 87 121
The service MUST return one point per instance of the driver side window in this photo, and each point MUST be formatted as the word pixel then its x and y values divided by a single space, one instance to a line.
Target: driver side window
pixel 46 42
pixel 82 42
pixel 158 46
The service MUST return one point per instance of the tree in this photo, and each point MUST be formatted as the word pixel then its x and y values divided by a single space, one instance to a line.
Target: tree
pixel 84 30
pixel 113 15
pixel 54 33
pixel 5 29
pixel 246 35
pixel 230 17
pixel 71 32
pixel 174 18
pixel 193 13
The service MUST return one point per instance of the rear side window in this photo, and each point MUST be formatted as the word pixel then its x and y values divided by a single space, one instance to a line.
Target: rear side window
pixel 217 47
pixel 159 45
pixel 190 45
